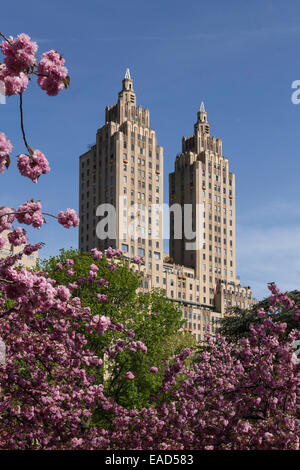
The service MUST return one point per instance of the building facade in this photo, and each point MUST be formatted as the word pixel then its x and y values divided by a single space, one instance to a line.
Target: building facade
pixel 123 172
pixel 26 261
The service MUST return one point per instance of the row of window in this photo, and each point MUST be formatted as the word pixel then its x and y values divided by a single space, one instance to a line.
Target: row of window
pixel 217 270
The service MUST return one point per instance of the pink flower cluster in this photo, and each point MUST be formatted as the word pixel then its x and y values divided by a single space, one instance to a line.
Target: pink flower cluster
pixel 110 253
pixel 18 237
pixel 19 57
pixel 129 375
pixel 135 345
pixel 19 53
pixel 30 213
pixel 97 253
pixel 33 166
pixel 52 72
pixel 99 324
pixel 5 150
pixel 29 249
pixel 13 84
pixel 20 61
pixel 68 218
pixel 6 218
pixel 102 297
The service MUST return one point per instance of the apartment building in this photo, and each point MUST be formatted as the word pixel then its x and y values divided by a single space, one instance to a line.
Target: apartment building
pixel 123 172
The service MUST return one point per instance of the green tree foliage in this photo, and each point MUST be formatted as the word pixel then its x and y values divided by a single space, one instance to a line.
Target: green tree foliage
pixel 155 320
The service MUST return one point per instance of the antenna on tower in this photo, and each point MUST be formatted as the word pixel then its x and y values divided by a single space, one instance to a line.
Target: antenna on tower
pixel 127 74
pixel 202 107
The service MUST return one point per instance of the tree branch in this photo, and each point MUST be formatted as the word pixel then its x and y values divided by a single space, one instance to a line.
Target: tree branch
pixel 4 37
pixel 22 124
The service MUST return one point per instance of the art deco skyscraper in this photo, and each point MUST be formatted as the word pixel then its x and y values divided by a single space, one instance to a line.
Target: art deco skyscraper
pixel 124 168
pixel 202 178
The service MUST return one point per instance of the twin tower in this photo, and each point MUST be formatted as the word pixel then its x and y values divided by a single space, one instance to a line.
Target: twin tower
pixel 120 205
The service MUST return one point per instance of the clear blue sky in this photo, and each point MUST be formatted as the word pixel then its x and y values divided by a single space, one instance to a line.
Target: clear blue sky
pixel 240 57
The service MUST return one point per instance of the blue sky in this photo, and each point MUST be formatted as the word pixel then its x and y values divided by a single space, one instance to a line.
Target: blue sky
pixel 239 57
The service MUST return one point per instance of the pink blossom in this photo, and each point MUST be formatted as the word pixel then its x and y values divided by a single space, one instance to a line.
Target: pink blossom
pixel 109 252
pixel 94 267
pixel 59 266
pixel 19 53
pixel 112 267
pixel 18 237
pixel 92 276
pixel 70 272
pixel 68 218
pixel 33 166
pixel 13 84
pixel 6 219
pixel 53 73
pixel 129 376
pixel 99 324
pixel 73 285
pixel 29 213
pixel 141 346
pixel 69 262
pixel 120 346
pixel 102 297
pixel 137 260
pixel 102 282
pixel 76 442
pixel 97 253
pixel 5 150
pixel 153 370
pixel 63 293
pixel 261 313
pixel 117 253
pixel 29 249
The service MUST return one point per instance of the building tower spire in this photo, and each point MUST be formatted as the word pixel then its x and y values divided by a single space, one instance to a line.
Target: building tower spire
pixel 202 124
pixel 127 74
pixel 127 81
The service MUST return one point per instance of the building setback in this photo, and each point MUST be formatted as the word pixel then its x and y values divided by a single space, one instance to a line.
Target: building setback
pixel 125 169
